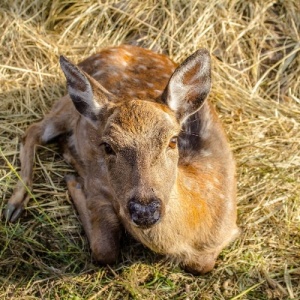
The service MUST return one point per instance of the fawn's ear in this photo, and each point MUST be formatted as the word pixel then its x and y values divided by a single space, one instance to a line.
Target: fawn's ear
pixel 189 85
pixel 87 94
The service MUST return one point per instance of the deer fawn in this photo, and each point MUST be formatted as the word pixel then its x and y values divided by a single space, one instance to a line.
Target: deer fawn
pixel 150 152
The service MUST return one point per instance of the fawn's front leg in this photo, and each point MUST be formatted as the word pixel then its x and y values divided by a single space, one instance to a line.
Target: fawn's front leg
pixel 100 223
pixel 20 196
pixel 38 133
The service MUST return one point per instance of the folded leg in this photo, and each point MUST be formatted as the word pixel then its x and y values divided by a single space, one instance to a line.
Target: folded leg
pixel 201 264
pixel 100 223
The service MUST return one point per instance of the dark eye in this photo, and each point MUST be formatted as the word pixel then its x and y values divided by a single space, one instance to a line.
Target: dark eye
pixel 173 142
pixel 108 149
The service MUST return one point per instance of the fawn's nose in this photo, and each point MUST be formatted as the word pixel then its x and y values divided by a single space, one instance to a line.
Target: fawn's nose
pixel 144 214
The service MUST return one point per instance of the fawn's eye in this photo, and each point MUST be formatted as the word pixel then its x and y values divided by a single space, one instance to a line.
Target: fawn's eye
pixel 108 149
pixel 173 142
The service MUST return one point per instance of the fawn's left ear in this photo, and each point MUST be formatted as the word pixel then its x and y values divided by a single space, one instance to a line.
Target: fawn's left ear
pixel 88 96
pixel 189 85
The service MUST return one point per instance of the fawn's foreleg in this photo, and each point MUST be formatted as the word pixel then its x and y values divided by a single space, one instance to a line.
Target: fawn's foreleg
pixel 100 223
pixel 21 194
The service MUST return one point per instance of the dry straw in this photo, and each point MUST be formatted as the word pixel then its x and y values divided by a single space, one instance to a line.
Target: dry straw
pixel 256 88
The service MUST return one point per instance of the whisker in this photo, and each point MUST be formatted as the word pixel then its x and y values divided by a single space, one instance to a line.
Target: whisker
pixel 189 133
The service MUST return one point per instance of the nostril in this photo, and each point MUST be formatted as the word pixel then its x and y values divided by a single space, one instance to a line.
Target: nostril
pixel 154 205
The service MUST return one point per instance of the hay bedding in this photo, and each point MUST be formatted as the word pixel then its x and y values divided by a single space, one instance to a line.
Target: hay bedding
pixel 256 89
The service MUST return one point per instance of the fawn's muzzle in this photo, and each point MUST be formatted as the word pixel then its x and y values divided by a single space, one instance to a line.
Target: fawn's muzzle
pixel 144 214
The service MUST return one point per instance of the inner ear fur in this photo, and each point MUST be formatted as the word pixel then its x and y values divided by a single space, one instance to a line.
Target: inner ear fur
pixel 87 94
pixel 189 85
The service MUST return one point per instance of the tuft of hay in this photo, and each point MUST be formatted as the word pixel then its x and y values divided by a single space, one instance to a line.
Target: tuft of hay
pixel 256 89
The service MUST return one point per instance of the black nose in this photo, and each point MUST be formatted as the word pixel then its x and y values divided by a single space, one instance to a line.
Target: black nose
pixel 144 215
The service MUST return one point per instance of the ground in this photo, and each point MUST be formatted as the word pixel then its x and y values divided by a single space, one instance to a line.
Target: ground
pixel 255 49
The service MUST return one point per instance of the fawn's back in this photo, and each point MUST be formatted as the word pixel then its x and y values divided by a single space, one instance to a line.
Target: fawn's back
pixel 130 72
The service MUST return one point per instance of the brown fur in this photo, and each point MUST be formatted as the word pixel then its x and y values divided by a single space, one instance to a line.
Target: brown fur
pixel 121 122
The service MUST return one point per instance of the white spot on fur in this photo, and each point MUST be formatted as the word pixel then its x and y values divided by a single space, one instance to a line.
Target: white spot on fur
pixel 158 92
pixel 132 93
pixel 142 67
pixel 158 60
pixel 128 53
pixel 151 85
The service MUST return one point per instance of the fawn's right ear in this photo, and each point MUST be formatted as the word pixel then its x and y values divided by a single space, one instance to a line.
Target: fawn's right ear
pixel 189 85
pixel 87 94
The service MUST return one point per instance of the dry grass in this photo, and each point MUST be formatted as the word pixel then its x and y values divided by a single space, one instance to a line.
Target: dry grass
pixel 256 88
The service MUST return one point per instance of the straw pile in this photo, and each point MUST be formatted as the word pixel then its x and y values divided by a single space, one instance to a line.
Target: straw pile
pixel 256 89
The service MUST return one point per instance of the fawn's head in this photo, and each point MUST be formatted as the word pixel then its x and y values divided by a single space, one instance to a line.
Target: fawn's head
pixel 138 138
